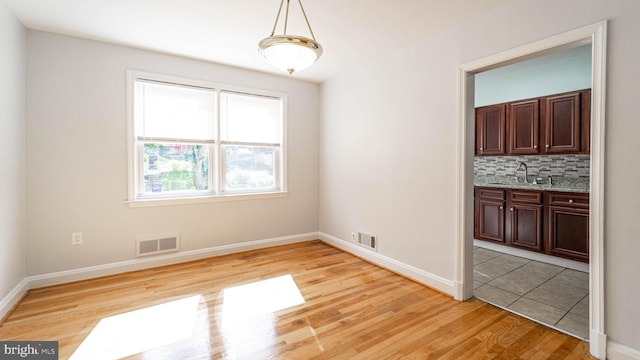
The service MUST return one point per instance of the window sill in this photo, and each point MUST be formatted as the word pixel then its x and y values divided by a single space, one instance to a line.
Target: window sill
pixel 204 199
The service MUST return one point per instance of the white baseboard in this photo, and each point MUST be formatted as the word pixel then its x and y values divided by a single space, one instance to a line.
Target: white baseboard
pixel 409 271
pixel 10 300
pixel 616 351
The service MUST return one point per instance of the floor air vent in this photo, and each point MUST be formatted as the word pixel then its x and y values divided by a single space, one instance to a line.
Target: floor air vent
pixel 368 240
pixel 157 244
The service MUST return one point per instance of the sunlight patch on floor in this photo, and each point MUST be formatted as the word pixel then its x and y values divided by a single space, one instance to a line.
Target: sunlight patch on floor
pixel 248 314
pixel 261 297
pixel 141 330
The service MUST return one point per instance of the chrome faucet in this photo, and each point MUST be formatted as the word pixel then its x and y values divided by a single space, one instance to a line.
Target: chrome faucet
pixel 526 172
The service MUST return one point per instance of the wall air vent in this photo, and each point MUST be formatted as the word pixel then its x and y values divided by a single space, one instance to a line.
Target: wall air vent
pixel 369 241
pixel 157 244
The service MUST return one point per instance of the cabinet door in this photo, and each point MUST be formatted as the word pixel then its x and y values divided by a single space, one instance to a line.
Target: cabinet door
pixel 491 220
pixel 562 123
pixel 524 120
pixel 569 233
pixel 525 226
pixel 491 130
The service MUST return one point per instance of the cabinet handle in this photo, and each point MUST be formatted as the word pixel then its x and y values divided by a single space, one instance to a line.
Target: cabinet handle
pixel 501 207
pixel 570 201
pixel 511 209
pixel 481 149
pixel 535 146
pixel 547 146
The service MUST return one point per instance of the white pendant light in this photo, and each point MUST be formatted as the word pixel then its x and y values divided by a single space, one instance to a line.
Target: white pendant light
pixel 290 53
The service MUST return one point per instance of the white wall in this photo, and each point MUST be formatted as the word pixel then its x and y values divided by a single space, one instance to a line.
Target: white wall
pixel 555 73
pixel 388 138
pixel 77 160
pixel 12 156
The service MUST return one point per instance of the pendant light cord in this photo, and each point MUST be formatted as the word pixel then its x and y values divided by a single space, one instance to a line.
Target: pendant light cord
pixel 305 19
pixel 286 19
pixel 278 17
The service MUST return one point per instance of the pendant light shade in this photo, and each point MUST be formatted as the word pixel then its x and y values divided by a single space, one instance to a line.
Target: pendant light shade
pixel 290 53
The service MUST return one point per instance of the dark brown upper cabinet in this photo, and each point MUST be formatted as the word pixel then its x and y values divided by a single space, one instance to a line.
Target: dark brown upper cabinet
pixel 524 127
pixel 563 124
pixel 586 121
pixel 555 124
pixel 490 130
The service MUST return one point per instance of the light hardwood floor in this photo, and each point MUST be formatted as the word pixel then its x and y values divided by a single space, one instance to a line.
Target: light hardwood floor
pixel 350 309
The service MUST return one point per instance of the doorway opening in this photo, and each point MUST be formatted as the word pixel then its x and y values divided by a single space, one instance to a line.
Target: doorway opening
pixel 520 263
pixel 595 36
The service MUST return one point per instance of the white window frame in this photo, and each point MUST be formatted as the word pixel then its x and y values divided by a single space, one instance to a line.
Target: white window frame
pixel 216 157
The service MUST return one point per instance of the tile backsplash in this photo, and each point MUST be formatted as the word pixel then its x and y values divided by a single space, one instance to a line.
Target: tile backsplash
pixel 569 166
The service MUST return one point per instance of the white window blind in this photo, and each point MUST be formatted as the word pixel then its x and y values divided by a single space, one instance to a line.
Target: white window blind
pixel 176 112
pixel 250 119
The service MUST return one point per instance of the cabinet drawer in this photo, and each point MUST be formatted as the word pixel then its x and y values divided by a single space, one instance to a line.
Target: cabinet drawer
pixel 497 194
pixel 572 200
pixel 528 197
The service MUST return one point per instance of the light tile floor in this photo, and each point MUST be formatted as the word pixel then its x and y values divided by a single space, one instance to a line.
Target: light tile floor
pixel 550 294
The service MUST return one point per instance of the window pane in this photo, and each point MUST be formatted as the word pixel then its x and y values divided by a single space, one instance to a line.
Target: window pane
pixel 246 118
pixel 249 167
pixel 177 112
pixel 175 167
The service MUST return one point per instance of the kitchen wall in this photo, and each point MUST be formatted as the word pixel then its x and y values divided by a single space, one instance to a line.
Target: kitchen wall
pixel 388 139
pixel 555 73
pixel 12 156
pixel 570 166
pixel 77 158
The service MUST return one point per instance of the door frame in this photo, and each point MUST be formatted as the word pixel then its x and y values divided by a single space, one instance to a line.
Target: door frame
pixel 596 35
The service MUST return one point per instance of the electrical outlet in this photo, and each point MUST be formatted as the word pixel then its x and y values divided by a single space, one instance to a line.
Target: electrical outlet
pixel 76 238
pixel 354 237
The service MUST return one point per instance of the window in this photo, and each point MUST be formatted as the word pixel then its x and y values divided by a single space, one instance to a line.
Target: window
pixel 195 140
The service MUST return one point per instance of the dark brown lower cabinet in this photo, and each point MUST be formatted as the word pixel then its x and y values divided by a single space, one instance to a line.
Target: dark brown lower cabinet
pixel 524 219
pixel 490 214
pixel 568 219
pixel 555 223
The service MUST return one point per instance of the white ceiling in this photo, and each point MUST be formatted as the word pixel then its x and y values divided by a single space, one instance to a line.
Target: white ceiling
pixel 228 31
